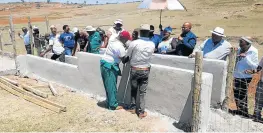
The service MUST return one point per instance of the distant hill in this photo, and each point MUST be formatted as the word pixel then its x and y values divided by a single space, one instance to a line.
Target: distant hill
pixel 76 1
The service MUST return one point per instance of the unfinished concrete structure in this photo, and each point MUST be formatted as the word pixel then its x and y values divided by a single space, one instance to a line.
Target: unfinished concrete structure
pixel 166 97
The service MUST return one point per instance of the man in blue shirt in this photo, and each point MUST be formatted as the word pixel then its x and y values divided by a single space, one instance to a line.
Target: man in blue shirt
pixel 67 39
pixel 26 40
pixel 156 39
pixel 186 41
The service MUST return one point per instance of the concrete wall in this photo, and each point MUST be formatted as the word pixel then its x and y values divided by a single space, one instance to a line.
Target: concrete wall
pixel 168 90
pixel 216 67
pixel 68 59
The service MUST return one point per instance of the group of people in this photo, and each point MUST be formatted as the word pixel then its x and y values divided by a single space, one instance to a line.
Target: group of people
pixel 137 49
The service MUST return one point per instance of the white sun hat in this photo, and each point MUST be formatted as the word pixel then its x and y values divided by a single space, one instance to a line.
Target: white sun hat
pixel 75 29
pixel 90 28
pixel 218 31
pixel 118 21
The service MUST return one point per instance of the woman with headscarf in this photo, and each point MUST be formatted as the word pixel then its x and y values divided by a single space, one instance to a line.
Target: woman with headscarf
pixel 166 46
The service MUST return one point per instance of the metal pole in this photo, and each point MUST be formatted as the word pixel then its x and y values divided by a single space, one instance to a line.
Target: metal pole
pixel 196 92
pixel 30 35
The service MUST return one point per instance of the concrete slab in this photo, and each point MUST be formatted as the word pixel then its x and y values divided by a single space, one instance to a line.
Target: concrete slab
pixel 68 59
pixel 216 67
pixel 6 63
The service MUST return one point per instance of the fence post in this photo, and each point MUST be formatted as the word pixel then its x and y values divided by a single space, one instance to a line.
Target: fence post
pixel 47 23
pixel 196 92
pixel 30 35
pixel 229 78
pixel 12 38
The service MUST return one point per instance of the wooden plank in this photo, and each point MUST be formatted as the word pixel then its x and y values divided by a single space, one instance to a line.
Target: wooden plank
pixel 53 90
pixel 37 92
pixel 63 108
pixel 10 81
pixel 197 89
pixel 41 86
pixel 31 35
pixel 29 98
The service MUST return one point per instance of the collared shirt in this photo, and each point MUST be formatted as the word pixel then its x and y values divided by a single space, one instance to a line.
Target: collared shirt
pixel 26 38
pixel 189 40
pixel 57 46
pixel 114 52
pixel 94 43
pixel 219 51
pixel 67 39
pixel 140 52
pixel 250 61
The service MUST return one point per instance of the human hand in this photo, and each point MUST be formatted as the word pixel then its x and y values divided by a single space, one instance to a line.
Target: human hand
pixel 249 72
pixel 180 38
pixel 19 33
pixel 85 49
pixel 242 55
pixel 191 56
pixel 160 27
pixel 163 52
pixel 42 54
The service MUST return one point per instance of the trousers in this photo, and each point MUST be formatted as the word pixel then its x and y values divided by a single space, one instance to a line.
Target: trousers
pixel 259 100
pixel 139 83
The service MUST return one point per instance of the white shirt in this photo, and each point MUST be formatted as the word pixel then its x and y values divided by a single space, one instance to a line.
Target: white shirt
pixel 114 52
pixel 246 63
pixel 166 44
pixel 219 51
pixel 114 33
pixel 140 52
pixel 57 46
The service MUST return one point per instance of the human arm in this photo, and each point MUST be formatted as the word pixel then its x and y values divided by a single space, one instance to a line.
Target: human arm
pixel 198 48
pixel 51 42
pixel 189 41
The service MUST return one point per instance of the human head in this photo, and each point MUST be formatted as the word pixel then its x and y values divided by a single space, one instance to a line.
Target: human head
pixel 35 30
pixel 75 30
pixel 245 42
pixel 217 34
pixel 151 30
pixel 24 29
pixel 90 29
pixel 144 30
pixel 124 36
pixel 187 26
pixel 118 24
pixel 135 35
pixel 167 32
pixel 53 29
pixel 66 28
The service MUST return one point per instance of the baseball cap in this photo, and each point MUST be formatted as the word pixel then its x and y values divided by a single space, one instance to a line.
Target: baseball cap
pixel 168 29
pixel 126 35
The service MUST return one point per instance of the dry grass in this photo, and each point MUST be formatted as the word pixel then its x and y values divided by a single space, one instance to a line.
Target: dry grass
pixel 83 114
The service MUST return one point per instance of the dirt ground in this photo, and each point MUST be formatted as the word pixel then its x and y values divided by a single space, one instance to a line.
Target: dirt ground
pixel 83 114
pixel 237 17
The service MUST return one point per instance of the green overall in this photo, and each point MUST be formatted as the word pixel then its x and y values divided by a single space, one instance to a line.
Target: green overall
pixel 94 43
pixel 109 74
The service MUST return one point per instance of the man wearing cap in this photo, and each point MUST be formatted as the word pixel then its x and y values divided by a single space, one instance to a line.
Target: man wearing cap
pixel 37 40
pixel 94 41
pixel 139 54
pixel 55 45
pixel 26 40
pixel 186 41
pixel 81 39
pixel 114 32
pixel 247 58
pixel 215 47
pixel 67 39
pixel 110 70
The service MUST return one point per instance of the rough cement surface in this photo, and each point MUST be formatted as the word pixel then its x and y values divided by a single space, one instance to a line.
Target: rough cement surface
pixel 216 67
pixel 68 59
pixel 6 63
pixel 161 93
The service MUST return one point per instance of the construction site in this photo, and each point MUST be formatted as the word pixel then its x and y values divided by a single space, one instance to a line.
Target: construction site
pixel 41 95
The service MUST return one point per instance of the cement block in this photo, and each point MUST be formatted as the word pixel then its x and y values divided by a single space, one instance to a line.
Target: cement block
pixel 216 67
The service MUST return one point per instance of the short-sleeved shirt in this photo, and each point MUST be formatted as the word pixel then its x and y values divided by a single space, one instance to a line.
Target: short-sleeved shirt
pixel 114 52
pixel 165 45
pixel 219 51
pixel 140 52
pixel 67 39
pixel 114 33
pixel 94 43
pixel 26 38
pixel 57 46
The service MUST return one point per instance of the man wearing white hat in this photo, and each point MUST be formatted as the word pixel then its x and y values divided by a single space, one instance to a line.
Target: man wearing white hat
pixel 114 31
pixel 94 41
pixel 247 59
pixel 215 47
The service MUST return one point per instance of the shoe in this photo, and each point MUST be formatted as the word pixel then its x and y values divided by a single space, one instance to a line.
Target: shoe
pixel 142 115
pixel 118 108
pixel 131 111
